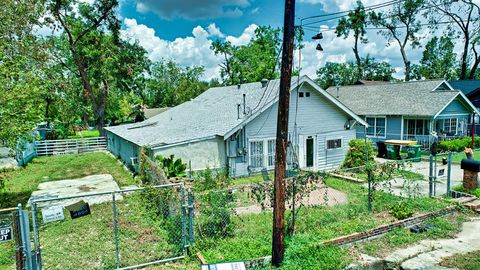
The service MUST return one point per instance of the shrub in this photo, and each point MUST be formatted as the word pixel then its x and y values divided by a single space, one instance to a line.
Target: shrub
pixel 458 145
pixel 216 216
pixel 172 167
pixel 210 179
pixel 401 210
pixel 357 150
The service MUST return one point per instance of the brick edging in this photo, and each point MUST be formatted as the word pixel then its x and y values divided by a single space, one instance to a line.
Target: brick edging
pixel 359 236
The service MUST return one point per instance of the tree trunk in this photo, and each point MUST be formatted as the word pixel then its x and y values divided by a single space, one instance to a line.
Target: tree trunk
pixel 476 62
pixel 100 107
pixel 463 66
pixel 406 63
pixel 357 58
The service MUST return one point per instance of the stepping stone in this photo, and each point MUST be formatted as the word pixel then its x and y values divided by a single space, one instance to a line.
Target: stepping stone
pixel 473 204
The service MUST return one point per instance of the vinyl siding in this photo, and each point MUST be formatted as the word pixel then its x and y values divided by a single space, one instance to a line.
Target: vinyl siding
pixel 122 148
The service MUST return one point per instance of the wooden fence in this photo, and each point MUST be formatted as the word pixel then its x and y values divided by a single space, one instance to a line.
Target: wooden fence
pixel 70 146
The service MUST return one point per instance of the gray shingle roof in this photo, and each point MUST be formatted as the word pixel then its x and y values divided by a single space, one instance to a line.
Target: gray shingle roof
pixel 212 113
pixel 410 98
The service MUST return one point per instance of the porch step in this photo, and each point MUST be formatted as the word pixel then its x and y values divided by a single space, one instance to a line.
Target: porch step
pixel 474 205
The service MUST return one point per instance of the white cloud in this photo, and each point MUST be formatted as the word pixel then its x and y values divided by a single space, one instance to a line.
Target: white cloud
pixel 213 31
pixel 245 37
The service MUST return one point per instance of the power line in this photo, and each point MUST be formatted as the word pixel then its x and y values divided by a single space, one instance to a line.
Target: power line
pixel 369 8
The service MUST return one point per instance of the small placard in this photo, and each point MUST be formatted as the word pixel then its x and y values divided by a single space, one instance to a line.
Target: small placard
pixel 5 234
pixel 441 172
pixel 52 214
pixel 225 266
pixel 78 209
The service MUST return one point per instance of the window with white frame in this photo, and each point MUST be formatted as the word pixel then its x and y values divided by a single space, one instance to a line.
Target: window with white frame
pixel 376 126
pixel 334 143
pixel 417 126
pixel 256 154
pixel 450 125
pixel 262 153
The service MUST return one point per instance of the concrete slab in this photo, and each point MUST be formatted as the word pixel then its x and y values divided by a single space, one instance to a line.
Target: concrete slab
pixel 72 187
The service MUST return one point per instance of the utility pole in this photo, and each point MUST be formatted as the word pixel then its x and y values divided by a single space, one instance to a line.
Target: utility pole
pixel 278 241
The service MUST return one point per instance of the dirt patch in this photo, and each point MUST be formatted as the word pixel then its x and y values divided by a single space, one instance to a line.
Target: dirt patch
pixel 85 188
pixel 323 195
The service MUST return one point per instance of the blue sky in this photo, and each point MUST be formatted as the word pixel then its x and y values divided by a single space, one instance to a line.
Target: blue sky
pixel 183 30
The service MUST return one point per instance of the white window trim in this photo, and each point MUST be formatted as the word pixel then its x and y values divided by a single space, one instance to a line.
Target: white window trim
pixel 456 124
pixel 265 153
pixel 331 139
pixel 423 119
pixel 375 127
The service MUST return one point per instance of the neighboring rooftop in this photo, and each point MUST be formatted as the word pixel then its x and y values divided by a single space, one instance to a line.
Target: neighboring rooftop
pixel 151 112
pixel 466 86
pixel 407 98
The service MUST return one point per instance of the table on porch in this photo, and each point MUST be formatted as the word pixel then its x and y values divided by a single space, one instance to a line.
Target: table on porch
pixel 398 143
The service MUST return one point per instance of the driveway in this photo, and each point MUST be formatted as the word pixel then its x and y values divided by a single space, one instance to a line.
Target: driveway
pixel 406 188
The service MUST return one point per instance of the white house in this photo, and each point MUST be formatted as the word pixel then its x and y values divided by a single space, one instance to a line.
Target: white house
pixel 234 127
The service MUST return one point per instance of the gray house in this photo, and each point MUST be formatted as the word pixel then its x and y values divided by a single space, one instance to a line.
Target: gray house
pixel 409 110
pixel 234 127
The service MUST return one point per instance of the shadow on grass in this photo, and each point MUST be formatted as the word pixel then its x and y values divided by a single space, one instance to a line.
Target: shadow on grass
pixel 12 199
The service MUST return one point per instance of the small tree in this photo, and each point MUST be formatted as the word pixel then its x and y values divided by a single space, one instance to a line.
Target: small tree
pixel 357 153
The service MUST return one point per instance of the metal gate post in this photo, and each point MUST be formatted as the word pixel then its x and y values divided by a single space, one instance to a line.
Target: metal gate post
pixel 19 258
pixel 449 174
pixel 430 177
pixel 184 217
pixel 37 254
pixel 25 234
pixel 115 230
pixel 190 215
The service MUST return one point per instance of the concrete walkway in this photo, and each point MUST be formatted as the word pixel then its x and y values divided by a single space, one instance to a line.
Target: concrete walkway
pixel 402 187
pixel 429 253
pixel 73 187
pixel 6 159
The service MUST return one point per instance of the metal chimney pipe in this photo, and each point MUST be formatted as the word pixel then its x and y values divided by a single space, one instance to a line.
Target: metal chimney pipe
pixel 244 104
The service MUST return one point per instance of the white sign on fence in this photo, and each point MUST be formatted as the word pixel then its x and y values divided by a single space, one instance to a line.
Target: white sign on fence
pixel 5 234
pixel 52 214
pixel 225 266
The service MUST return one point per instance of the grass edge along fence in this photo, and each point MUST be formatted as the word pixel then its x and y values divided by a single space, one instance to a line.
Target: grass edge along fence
pixel 115 223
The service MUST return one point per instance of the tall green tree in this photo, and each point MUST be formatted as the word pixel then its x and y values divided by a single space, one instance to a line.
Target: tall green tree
pixel 348 73
pixel 355 22
pixel 464 15
pixel 22 88
pixel 438 59
pixel 96 55
pixel 169 84
pixel 252 62
pixel 401 25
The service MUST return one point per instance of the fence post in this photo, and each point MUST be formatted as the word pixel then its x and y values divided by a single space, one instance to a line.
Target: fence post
pixel 449 174
pixel 25 234
pixel 36 241
pixel 430 177
pixel 184 217
pixel 19 258
pixel 191 215
pixel 115 230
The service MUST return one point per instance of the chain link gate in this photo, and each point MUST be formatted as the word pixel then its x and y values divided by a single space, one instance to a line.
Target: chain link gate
pixel 15 251
pixel 124 229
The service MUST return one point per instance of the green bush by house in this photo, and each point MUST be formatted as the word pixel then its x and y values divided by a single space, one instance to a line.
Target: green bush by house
pixel 458 145
pixel 356 155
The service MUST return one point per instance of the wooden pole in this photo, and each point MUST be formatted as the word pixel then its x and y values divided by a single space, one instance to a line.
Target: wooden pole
pixel 278 245
pixel 473 130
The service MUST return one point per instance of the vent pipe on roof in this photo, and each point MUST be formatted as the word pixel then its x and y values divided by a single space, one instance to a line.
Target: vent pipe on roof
pixel 238 86
pixel 264 82
pixel 238 111
pixel 338 91
pixel 244 104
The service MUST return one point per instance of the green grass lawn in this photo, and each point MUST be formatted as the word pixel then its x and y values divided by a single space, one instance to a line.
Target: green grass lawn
pixel 19 184
pixel 469 261
pixel 252 237
pixel 85 134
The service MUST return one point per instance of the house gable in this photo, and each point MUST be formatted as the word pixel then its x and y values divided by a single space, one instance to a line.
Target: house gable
pixel 459 105
pixel 444 86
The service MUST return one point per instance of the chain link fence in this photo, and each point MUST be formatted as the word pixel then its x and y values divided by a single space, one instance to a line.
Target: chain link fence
pixel 9 250
pixel 119 230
